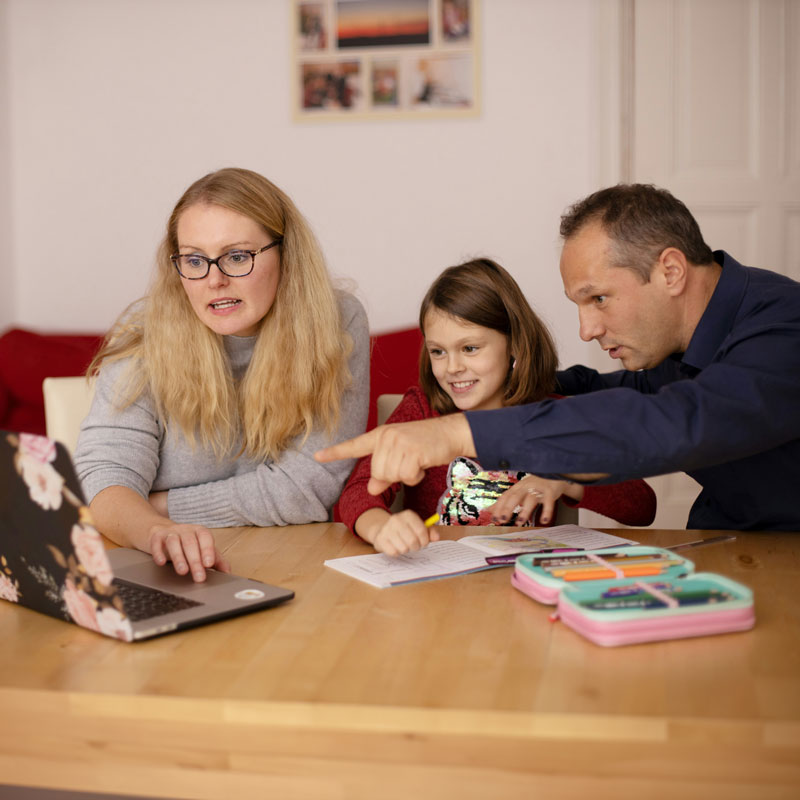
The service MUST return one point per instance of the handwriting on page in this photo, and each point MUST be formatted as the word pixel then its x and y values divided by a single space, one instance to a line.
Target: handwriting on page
pixel 438 558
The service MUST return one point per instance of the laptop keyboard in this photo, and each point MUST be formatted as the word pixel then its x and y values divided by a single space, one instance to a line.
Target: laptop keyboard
pixel 144 602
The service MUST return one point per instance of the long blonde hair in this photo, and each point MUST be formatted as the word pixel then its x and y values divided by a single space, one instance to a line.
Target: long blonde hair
pixel 298 371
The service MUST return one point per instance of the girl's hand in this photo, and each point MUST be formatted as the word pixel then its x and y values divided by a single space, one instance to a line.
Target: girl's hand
pixel 529 493
pixel 402 533
pixel 191 548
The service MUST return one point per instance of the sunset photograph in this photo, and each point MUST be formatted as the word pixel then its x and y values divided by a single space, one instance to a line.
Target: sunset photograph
pixel 376 23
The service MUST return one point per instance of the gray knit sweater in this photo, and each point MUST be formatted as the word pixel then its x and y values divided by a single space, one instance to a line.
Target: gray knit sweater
pixel 130 448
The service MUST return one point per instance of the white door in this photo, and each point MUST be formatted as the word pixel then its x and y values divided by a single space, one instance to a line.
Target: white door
pixel 714 116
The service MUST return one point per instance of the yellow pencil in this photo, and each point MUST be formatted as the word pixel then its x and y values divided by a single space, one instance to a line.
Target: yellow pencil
pixel 432 520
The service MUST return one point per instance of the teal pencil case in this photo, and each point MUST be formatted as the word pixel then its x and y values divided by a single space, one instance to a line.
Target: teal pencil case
pixel 635 594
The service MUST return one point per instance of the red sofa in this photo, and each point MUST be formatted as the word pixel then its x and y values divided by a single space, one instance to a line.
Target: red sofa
pixel 394 366
pixel 27 358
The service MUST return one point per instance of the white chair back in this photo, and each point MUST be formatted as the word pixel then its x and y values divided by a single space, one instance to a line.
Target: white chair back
pixel 386 404
pixel 66 403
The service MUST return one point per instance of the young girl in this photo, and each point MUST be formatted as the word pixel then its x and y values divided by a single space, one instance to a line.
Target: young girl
pixel 484 348
pixel 214 391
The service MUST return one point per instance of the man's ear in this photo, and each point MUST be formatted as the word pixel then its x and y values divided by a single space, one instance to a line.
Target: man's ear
pixel 673 268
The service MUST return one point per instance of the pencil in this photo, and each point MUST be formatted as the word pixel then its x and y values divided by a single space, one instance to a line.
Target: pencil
pixel 432 520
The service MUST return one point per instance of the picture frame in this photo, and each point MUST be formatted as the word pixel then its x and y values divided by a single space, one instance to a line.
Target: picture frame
pixel 373 59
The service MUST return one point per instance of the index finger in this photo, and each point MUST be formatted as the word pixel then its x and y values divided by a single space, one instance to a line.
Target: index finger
pixel 191 552
pixel 362 445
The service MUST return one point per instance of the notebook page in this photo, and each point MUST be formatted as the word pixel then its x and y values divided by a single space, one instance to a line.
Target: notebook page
pixel 437 560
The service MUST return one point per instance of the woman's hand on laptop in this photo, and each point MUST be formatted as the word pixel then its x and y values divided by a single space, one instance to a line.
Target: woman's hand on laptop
pixel 190 548
pixel 130 520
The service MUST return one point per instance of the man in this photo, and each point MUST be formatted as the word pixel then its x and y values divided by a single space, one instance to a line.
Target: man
pixel 711 384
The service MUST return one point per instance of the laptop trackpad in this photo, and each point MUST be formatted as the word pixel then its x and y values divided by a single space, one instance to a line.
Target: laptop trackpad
pixel 138 567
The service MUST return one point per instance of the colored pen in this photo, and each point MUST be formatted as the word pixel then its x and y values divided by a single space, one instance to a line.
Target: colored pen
pixel 631 589
pixel 583 560
pixel 594 566
pixel 701 542
pixel 510 558
pixel 686 599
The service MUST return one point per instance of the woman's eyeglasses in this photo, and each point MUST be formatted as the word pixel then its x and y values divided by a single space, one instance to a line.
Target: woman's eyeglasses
pixel 234 264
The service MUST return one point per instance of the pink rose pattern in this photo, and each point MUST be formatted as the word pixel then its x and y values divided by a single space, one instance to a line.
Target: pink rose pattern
pixel 39 447
pixel 81 607
pixel 76 582
pixel 91 553
pixel 113 623
pixel 9 590
pixel 43 482
pixel 85 611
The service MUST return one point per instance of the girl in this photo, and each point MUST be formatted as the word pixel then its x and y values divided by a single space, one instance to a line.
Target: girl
pixel 214 391
pixel 484 348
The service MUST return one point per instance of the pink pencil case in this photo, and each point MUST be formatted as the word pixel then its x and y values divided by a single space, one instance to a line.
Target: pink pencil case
pixel 658 598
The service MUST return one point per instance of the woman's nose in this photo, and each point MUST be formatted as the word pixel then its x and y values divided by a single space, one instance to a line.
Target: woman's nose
pixel 216 277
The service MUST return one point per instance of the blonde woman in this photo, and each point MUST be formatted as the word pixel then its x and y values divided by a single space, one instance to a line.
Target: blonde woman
pixel 214 391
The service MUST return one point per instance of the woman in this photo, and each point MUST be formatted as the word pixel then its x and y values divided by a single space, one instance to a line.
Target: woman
pixel 484 348
pixel 214 391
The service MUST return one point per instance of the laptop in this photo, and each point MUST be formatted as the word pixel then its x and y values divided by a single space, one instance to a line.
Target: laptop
pixel 53 560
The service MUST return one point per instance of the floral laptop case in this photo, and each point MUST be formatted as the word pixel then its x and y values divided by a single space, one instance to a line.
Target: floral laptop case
pixel 53 560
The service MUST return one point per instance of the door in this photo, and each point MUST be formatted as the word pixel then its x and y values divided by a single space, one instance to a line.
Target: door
pixel 714 116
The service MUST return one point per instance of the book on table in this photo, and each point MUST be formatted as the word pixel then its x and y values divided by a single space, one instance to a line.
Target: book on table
pixel 448 558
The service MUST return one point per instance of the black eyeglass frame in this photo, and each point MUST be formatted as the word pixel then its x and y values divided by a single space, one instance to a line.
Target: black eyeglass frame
pixel 175 259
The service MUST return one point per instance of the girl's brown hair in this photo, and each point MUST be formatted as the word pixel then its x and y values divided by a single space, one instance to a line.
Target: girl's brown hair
pixel 483 293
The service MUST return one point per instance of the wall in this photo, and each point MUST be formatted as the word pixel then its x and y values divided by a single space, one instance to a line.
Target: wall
pixel 7 271
pixel 115 106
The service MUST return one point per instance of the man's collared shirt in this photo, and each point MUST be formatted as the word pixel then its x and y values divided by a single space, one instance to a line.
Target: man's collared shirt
pixel 727 412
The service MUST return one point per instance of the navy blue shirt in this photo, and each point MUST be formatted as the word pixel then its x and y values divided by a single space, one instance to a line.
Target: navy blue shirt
pixel 727 412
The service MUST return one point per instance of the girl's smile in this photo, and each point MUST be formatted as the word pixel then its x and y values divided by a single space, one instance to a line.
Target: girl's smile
pixel 469 362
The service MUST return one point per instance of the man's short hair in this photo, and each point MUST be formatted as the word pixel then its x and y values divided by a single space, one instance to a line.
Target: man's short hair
pixel 642 221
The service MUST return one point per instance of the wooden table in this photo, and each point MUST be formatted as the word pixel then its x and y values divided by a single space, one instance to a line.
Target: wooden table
pixel 453 688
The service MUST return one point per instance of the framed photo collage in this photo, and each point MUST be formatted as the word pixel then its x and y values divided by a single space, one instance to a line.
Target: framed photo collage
pixel 384 58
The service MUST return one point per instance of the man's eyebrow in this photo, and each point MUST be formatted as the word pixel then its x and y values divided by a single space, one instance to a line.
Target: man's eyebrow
pixel 584 291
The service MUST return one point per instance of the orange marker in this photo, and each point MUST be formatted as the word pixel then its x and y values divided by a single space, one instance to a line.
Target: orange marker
pixel 593 575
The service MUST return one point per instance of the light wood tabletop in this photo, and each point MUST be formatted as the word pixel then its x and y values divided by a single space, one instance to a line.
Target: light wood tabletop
pixel 460 687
